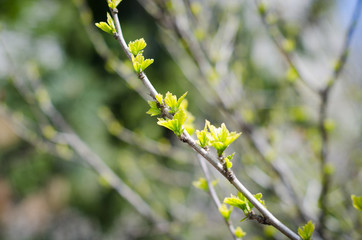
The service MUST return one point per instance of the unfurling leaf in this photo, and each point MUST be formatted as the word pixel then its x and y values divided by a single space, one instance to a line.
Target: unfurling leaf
pixel 228 164
pixel 258 196
pixel 221 137
pixel 111 22
pixel 154 110
pixel 108 26
pixel 140 63
pixel 113 3
pixel 174 124
pixel 159 98
pixel 104 27
pixel 172 102
pixel 203 136
pixel 306 231
pixel 239 203
pixel 137 46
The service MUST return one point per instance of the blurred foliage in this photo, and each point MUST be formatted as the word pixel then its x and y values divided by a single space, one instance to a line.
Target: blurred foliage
pixel 44 196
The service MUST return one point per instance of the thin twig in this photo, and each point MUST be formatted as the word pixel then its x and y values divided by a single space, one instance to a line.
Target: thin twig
pixel 213 194
pixel 325 96
pixel 278 39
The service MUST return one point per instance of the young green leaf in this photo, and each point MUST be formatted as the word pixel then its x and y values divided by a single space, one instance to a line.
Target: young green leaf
pixel 225 212
pixel 140 63
pixel 107 27
pixel 174 124
pixel 147 62
pixel 228 162
pixel 201 184
pixel 258 196
pixel 189 123
pixel 357 202
pixel 154 110
pixel 104 27
pixel 203 136
pixel 137 46
pixel 113 3
pixel 159 98
pixel 239 203
pixel 172 102
pixel 306 231
pixel 111 22
pixel 221 137
pixel 249 205
pixel 239 233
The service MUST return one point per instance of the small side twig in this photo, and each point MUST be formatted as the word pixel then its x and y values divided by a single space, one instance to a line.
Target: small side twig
pixel 278 39
pixel 213 194
pixel 325 96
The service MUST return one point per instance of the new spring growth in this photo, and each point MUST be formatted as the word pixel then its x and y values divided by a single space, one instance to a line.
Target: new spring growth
pixel 174 124
pixel 137 46
pixel 240 201
pixel 182 119
pixel 306 231
pixel 357 202
pixel 202 184
pixel 219 138
pixel 239 233
pixel 225 211
pixel 113 3
pixel 139 62
pixel 108 26
pixel 171 101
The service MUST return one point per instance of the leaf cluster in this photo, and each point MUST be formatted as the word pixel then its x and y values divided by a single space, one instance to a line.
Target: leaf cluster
pixel 181 120
pixel 108 26
pixel 219 138
pixel 240 201
pixel 138 60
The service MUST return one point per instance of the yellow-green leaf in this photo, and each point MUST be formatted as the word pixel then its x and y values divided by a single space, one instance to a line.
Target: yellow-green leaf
pixel 357 202
pixel 225 212
pixel 239 233
pixel 306 231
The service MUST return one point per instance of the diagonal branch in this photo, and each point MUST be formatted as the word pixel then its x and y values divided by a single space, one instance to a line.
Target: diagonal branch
pixel 185 137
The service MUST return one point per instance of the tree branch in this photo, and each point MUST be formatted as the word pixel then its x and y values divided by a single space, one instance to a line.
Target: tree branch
pixel 211 159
